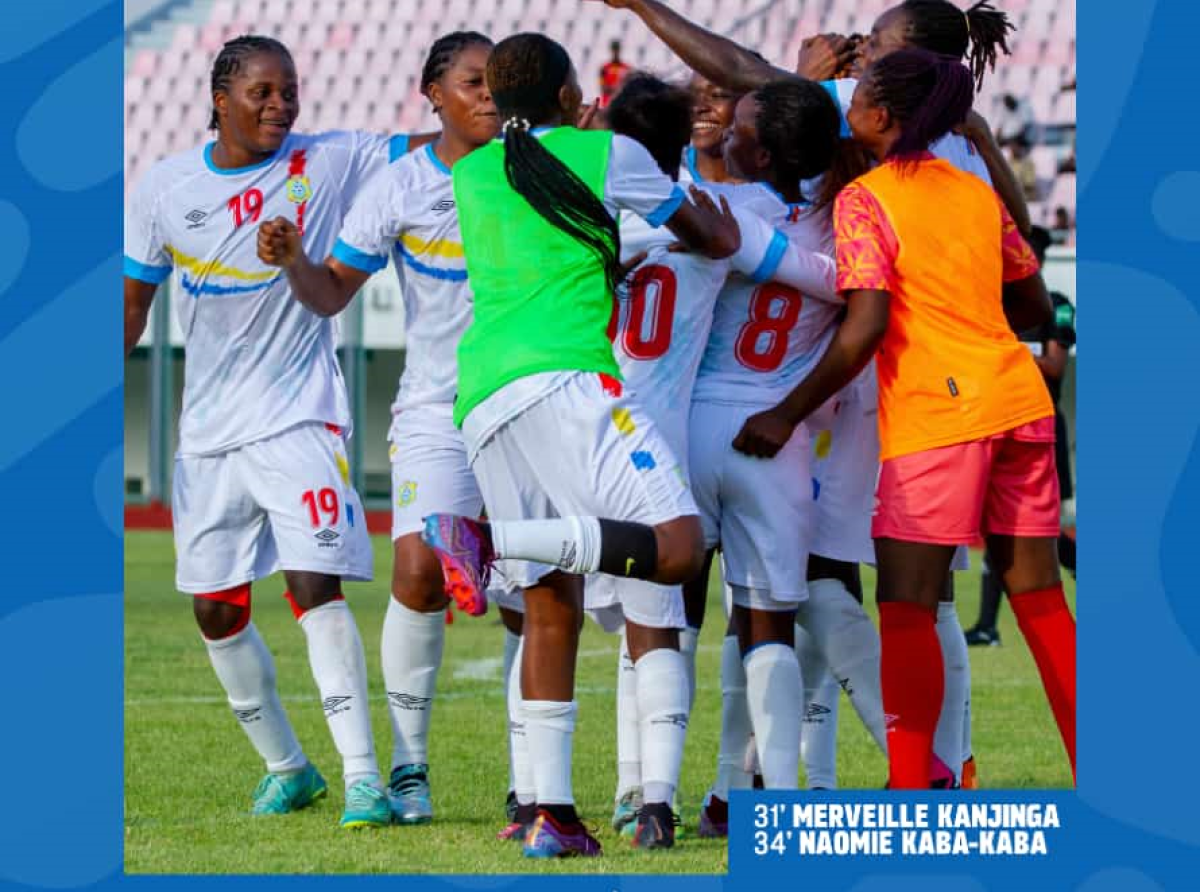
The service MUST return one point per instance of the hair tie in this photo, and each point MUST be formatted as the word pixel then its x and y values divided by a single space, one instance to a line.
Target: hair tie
pixel 515 123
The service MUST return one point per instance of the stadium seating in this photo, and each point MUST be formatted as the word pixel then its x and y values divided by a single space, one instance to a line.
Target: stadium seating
pixel 360 60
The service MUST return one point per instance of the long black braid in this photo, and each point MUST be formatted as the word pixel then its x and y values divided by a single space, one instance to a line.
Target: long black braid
pixel 443 53
pixel 229 63
pixel 525 73
pixel 941 27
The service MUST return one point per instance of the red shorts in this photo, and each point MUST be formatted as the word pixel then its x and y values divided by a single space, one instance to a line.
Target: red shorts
pixel 1005 484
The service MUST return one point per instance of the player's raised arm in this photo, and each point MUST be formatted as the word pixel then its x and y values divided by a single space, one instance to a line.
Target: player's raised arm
pixel 718 58
pixel 325 288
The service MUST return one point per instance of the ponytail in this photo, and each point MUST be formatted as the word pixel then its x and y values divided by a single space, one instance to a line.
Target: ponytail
pixel 941 27
pixel 927 94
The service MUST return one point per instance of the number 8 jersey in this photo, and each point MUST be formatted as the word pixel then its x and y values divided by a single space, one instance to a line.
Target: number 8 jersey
pixel 256 361
pixel 766 336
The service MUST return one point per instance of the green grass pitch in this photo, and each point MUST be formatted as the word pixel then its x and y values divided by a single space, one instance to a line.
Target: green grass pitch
pixel 189 770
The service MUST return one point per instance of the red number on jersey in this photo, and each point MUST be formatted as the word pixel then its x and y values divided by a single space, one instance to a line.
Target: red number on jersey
pixel 774 309
pixel 327 501
pixel 248 204
pixel 654 284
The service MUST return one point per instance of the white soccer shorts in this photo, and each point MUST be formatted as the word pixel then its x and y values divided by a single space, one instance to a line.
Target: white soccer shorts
pixel 579 450
pixel 281 503
pixel 430 472
pixel 760 510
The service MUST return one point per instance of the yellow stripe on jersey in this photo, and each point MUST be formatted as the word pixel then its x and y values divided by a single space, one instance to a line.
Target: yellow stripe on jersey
pixel 204 268
pixel 438 247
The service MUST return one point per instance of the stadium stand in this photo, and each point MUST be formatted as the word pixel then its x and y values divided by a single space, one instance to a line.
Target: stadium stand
pixel 359 60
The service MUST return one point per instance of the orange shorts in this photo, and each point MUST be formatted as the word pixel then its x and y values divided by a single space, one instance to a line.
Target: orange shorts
pixel 1005 484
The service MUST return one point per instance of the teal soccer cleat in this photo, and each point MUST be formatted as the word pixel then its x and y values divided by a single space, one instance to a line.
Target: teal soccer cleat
pixel 281 794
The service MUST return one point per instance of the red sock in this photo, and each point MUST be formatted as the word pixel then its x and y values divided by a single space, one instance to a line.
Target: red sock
pixel 1049 629
pixel 912 676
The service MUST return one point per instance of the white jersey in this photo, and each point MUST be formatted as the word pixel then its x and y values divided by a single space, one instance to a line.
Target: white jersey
pixel 766 335
pixel 257 361
pixel 952 147
pixel 661 322
pixel 409 210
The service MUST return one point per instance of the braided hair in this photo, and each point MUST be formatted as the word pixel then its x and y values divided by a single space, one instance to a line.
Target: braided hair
pixel 926 93
pixel 231 58
pixel 444 52
pixel 798 123
pixel 525 73
pixel 656 114
pixel 941 27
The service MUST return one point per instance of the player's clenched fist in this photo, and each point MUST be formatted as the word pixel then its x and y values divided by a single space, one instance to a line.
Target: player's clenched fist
pixel 279 242
pixel 763 434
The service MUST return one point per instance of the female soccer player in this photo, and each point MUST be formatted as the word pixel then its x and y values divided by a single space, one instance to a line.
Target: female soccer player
pixel 261 479
pixel 966 425
pixel 409 212
pixel 712 113
pixel 536 366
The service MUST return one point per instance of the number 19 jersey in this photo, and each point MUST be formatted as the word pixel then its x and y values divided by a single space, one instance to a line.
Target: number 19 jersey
pixel 256 360
pixel 766 336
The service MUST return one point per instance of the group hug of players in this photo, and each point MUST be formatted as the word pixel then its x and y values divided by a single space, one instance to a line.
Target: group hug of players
pixel 770 315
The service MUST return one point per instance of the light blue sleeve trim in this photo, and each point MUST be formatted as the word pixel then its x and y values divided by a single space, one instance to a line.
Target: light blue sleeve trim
pixel 367 263
pixel 772 258
pixel 664 211
pixel 143 273
pixel 397 146
pixel 831 89
pixel 435 160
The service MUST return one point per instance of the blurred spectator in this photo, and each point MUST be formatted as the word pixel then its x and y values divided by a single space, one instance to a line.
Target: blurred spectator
pixel 1067 165
pixel 1060 233
pixel 1023 168
pixel 1015 120
pixel 612 73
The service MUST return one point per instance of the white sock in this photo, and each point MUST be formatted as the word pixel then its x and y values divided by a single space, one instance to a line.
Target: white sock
pixel 735 722
pixel 850 643
pixel 629 744
pixel 662 698
pixel 818 733
pixel 412 655
pixel 948 739
pixel 518 740
pixel 689 640
pixel 549 728
pixel 335 653
pixel 572 543
pixel 247 673
pixel 511 644
pixel 775 694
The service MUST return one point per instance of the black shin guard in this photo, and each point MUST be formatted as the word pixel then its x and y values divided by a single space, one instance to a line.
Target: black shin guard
pixel 628 549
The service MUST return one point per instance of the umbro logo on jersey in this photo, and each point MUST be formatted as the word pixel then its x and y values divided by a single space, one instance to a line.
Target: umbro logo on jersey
pixel 196 218
pixel 401 700
pixel 334 705
pixel 245 716
pixel 446 204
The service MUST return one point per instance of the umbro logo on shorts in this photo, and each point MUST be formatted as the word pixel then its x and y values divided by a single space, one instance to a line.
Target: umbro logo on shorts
pixel 402 700
pixel 334 705
pixel 245 716
pixel 327 537
pixel 446 204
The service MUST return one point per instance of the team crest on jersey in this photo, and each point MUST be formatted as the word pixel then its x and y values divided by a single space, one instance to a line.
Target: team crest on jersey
pixel 407 494
pixel 298 189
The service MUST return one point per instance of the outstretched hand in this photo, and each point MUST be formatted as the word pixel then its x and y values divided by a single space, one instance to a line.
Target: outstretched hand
pixel 723 218
pixel 279 242
pixel 763 434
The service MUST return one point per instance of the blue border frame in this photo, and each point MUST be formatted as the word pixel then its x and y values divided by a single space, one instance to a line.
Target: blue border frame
pixel 1132 825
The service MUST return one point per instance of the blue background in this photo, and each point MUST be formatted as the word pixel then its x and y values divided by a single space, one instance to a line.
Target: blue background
pixel 1133 824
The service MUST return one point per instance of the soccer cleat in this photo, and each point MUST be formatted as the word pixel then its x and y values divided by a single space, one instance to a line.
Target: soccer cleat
pixel 366 806
pixel 655 827
pixel 515 831
pixel 977 636
pixel 549 839
pixel 519 823
pixel 408 793
pixel 280 794
pixel 714 818
pixel 969 780
pixel 464 548
pixel 624 817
